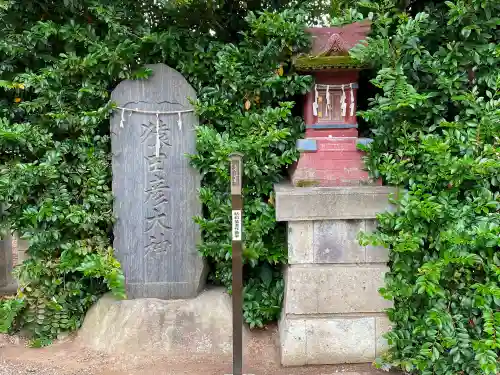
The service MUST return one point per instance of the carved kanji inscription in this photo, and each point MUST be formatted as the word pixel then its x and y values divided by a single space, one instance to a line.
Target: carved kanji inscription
pixel 155 188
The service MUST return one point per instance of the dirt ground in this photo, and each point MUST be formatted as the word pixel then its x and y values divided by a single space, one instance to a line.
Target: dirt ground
pixel 67 357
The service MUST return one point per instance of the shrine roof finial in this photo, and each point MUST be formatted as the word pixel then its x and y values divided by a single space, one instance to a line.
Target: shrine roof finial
pixel 331 45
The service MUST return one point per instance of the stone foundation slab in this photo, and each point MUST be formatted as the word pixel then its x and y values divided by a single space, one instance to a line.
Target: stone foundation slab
pixel 331 340
pixel 339 289
pixel 332 241
pixel 333 312
pixel 330 203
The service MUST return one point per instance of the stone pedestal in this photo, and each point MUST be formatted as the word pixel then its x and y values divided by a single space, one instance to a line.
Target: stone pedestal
pixel 332 311
pixel 22 250
pixel 5 261
pixel 19 250
pixel 151 327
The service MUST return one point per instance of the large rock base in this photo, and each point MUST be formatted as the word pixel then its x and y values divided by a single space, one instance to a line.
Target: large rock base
pixel 195 326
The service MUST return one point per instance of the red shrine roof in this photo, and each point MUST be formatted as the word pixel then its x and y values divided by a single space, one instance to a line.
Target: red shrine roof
pixel 331 45
pixel 328 41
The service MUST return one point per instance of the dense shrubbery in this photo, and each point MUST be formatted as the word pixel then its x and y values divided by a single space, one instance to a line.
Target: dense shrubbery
pixel 243 109
pixel 59 62
pixel 437 124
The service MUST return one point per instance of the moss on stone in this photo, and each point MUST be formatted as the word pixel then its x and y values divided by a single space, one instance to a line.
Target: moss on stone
pixel 325 62
pixel 307 183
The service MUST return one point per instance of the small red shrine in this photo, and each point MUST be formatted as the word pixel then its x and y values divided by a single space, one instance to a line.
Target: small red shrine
pixel 329 154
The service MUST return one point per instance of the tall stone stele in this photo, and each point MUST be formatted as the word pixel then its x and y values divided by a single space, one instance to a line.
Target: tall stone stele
pixel 155 188
pixel 332 312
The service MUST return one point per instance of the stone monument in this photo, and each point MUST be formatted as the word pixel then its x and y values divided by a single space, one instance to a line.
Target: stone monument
pixel 155 188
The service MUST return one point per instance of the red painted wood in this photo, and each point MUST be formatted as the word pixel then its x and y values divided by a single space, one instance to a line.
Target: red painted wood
pixel 337 162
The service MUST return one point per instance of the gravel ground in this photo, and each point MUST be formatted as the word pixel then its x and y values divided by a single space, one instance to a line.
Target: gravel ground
pixel 68 358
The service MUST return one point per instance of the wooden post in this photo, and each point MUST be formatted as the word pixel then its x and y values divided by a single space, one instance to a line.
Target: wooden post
pixel 237 228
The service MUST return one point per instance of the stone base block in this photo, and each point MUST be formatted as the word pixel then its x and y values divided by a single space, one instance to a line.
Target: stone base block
pixel 5 261
pixel 202 325
pixel 334 289
pixel 22 250
pixel 330 203
pixel 331 340
pixel 332 241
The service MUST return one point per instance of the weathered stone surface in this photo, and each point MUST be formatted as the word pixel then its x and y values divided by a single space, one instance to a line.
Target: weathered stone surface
pixel 375 254
pixel 332 241
pixel 5 261
pixel 293 341
pixel 330 340
pixel 300 242
pixel 301 287
pixel 156 197
pixel 198 325
pixel 327 289
pixel 335 241
pixel 382 326
pixel 20 248
pixel 9 290
pixel 326 203
pixel 344 340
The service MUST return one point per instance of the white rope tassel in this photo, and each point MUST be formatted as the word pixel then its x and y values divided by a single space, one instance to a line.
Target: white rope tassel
pixel 327 99
pixel 351 104
pixel 179 121
pixel 157 135
pixel 157 113
pixel 343 102
pixel 315 104
pixel 122 121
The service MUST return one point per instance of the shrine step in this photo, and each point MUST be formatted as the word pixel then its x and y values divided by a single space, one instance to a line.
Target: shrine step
pixel 333 168
pixel 327 178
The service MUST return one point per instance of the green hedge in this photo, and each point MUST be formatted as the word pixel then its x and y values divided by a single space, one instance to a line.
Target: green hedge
pixel 59 62
pixel 436 124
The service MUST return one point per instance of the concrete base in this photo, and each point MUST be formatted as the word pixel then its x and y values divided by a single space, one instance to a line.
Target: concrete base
pixel 331 203
pixel 332 313
pixel 334 289
pixel 6 261
pixel 332 339
pixel 202 325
